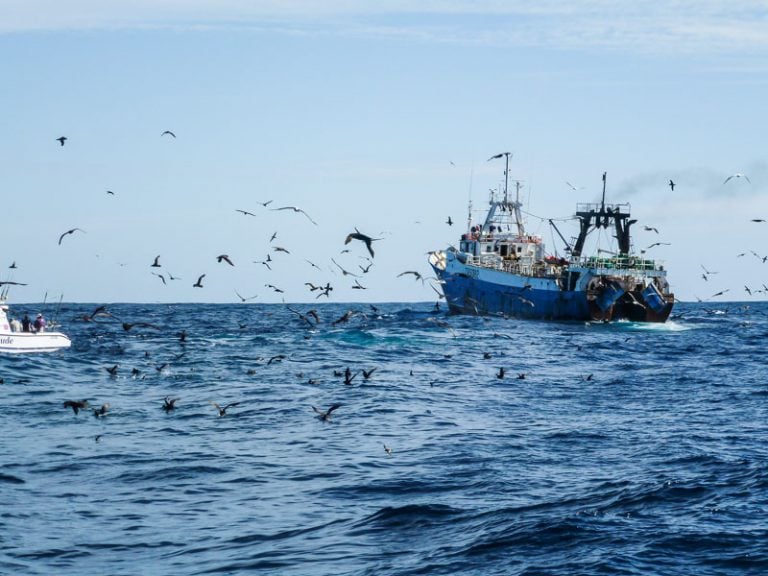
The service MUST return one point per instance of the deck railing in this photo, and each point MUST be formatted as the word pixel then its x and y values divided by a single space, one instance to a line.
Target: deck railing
pixel 528 268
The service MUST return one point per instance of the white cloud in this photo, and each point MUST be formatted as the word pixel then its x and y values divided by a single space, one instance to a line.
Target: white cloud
pixel 685 26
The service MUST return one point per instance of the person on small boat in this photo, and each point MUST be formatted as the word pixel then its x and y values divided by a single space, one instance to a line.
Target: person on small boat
pixel 15 325
pixel 25 323
pixel 40 323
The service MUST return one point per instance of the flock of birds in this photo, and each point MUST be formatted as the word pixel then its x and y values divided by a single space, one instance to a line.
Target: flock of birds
pixel 310 318
pixel 322 290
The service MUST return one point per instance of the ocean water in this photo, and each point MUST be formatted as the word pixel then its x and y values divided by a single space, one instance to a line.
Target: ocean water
pixel 605 449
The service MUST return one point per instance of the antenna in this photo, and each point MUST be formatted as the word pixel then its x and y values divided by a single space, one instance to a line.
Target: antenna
pixel 602 204
pixel 469 204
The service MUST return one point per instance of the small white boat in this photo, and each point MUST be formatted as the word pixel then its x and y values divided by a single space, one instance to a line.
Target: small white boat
pixel 18 342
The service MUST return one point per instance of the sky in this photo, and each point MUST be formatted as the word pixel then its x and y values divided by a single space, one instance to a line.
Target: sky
pixel 375 116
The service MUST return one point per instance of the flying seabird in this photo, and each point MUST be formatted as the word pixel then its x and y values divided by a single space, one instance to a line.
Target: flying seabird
pixel 737 175
pixel 368 373
pixel 199 283
pixel 344 272
pixel 658 244
pixel 367 240
pixel 156 263
pixel 169 133
pixel 295 209
pixel 449 221
pixel 61 140
pixel 650 229
pixel 225 258
pixel 344 317
pixel 672 185
pixel 416 275
pixel 243 298
pixel 160 276
pixel 325 415
pixel 223 409
pixel 72 231
pixel 245 212
pixel 387 449
pixel 113 370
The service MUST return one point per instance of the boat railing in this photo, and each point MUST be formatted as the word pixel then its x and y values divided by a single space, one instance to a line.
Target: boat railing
pixel 628 262
pixel 528 268
pixel 524 267
pixel 597 207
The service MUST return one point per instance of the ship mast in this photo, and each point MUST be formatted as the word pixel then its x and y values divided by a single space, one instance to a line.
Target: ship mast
pixel 592 216
pixel 505 203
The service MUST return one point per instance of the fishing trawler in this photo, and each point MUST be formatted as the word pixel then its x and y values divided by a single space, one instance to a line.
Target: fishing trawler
pixel 499 268
pixel 19 342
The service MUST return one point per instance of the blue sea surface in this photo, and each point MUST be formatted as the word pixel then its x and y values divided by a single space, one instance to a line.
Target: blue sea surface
pixel 615 448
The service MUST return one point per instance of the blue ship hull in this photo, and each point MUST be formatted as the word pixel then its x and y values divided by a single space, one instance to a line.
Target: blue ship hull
pixel 578 293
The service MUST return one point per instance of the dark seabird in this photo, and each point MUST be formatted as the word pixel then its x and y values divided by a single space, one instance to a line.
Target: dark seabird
pixel 113 370
pixel 224 258
pixel 102 411
pixel 500 375
pixel 449 221
pixel 275 288
pixel 344 272
pixel 223 409
pixel 367 240
pixel 243 298
pixel 169 133
pixel 245 212
pixel 61 140
pixel 199 283
pixel 169 403
pixel 72 231
pixel 276 358
pixel 280 249
pixel 325 416
pixel 650 229
pixel 368 373
pixel 344 317
pixel 161 277
pixel 76 405
pixel 156 263
pixel 387 449
pixel 672 185
pixel 415 274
